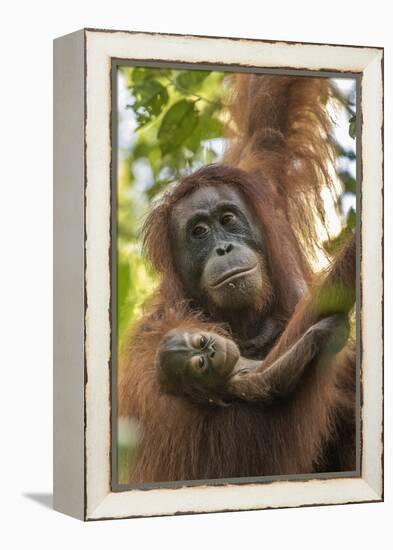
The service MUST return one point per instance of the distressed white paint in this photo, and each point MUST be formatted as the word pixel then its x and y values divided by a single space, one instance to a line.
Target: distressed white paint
pixel 233 497
pixel 101 46
pixel 372 284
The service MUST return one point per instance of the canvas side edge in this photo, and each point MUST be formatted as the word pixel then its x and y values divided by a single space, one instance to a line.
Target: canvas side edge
pixel 68 289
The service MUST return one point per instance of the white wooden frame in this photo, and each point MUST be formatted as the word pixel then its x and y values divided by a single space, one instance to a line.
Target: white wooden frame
pixel 82 207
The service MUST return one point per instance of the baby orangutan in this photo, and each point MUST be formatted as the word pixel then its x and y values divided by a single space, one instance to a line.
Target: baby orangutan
pixel 207 367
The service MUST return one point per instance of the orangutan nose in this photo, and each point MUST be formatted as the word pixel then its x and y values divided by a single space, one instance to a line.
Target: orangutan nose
pixel 224 248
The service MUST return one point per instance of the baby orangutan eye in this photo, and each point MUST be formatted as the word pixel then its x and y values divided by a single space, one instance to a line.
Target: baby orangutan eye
pixel 198 362
pixel 202 341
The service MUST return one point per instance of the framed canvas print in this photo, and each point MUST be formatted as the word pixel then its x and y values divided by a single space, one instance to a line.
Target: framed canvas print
pixel 218 274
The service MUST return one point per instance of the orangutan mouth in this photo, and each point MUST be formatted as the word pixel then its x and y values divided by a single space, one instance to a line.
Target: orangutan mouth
pixel 232 275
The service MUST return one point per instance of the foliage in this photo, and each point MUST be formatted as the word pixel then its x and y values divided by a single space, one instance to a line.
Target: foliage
pixel 345 157
pixel 177 112
pixel 175 120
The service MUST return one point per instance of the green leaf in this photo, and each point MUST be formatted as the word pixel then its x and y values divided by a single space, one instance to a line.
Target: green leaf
pixel 210 128
pixel 177 125
pixel 138 74
pixel 334 245
pixel 348 181
pixel 352 127
pixel 123 281
pixel 351 218
pixel 334 298
pixel 191 79
pixel 141 149
pixel 154 157
pixel 150 98
pixel 342 152
pixel 143 73
pixel 207 128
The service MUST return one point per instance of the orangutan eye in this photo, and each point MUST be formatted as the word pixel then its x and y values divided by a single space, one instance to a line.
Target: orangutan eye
pixel 202 341
pixel 199 230
pixel 198 362
pixel 227 218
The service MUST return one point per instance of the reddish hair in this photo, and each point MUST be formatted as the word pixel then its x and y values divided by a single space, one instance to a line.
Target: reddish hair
pixel 287 264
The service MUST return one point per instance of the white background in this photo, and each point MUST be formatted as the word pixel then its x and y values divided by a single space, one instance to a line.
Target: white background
pixel 26 274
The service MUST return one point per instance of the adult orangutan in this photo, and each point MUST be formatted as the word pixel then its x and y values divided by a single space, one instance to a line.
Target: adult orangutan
pixel 232 243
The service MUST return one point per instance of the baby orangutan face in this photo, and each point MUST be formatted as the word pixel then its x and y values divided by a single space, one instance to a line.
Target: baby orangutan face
pixel 192 362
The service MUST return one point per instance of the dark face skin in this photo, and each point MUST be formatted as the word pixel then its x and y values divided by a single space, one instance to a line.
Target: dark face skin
pixel 188 360
pixel 219 249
